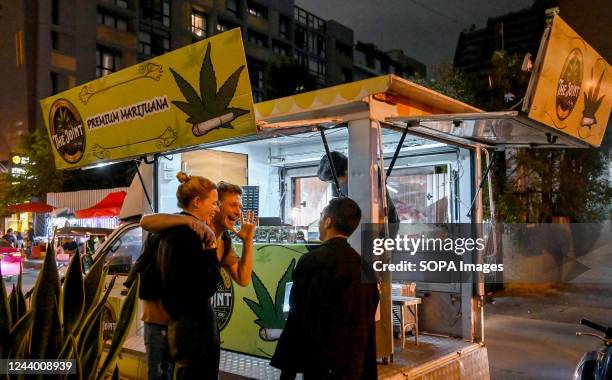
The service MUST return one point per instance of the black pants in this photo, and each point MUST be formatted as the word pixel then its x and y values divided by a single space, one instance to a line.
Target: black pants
pixel 195 346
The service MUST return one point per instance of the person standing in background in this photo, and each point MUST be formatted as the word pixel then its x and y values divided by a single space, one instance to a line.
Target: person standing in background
pixel 19 240
pixel 10 237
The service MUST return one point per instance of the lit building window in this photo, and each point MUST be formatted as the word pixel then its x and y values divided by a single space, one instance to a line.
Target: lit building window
pixel 222 26
pixel 107 61
pixel 198 23
pixel 257 10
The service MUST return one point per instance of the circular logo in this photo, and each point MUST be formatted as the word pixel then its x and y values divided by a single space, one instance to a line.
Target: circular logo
pixel 223 300
pixel 569 84
pixel 67 132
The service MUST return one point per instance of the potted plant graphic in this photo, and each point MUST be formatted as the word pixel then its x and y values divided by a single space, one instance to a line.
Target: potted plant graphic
pixel 592 102
pixel 270 317
pixel 210 109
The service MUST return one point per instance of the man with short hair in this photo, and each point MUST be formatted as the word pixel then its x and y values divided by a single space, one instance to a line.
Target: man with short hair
pixel 230 211
pixel 330 331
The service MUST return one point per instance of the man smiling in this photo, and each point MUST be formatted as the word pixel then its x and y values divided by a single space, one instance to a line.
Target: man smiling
pixel 239 269
pixel 224 221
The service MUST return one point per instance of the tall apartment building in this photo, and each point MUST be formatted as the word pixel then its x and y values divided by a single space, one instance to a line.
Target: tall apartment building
pixel 370 61
pixel 516 33
pixel 48 46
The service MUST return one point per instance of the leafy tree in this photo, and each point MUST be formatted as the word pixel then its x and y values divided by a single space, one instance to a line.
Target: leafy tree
pixel 41 176
pixel 534 185
pixel 449 81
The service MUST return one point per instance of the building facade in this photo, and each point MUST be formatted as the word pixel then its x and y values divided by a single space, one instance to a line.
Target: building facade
pixel 61 43
pixel 516 33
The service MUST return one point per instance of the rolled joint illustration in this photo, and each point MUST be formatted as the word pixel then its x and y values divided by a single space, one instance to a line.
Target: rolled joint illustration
pixel 204 127
pixel 269 334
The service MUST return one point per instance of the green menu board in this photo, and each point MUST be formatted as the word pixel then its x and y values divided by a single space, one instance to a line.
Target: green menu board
pixel 252 317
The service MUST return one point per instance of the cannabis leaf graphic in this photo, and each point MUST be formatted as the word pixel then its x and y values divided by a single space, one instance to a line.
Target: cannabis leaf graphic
pixel 210 110
pixel 269 313
pixel 592 103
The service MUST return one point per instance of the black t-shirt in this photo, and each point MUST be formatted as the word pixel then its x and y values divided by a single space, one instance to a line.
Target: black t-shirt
pixel 190 274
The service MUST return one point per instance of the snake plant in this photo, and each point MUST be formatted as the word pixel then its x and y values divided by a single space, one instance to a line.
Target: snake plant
pixel 64 321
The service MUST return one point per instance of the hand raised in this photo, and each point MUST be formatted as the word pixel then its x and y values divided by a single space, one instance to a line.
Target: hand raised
pixel 247 226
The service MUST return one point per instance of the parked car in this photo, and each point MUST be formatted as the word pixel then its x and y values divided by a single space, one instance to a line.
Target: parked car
pixel 10 259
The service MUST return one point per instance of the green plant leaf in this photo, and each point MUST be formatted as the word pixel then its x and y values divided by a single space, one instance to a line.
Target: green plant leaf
pixel 116 373
pixel 77 358
pixel 90 320
pixel 13 304
pixel 72 299
pixel 46 341
pixel 94 283
pixel 237 112
pixel 126 316
pixel 257 310
pixel 264 310
pixel 188 92
pixel 19 333
pixel 195 112
pixel 208 79
pixel 92 347
pixel 5 320
pixel 21 302
pixel 227 90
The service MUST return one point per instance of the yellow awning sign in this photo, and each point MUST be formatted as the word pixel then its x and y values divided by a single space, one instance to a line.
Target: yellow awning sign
pixel 190 96
pixel 574 87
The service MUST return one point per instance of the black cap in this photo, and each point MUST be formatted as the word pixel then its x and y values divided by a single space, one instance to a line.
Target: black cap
pixel 340 164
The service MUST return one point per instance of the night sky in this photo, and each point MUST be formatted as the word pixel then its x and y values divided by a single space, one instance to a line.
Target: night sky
pixel 427 30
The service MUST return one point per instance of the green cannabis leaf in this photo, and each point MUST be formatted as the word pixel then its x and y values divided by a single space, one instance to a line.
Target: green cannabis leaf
pixel 210 103
pixel 270 313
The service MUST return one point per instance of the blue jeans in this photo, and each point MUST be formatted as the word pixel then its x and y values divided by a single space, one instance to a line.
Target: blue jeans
pixel 160 365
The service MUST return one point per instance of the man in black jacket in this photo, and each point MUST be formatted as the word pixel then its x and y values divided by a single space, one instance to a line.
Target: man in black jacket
pixel 330 330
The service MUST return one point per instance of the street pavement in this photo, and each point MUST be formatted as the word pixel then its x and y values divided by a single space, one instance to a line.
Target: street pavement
pixel 530 333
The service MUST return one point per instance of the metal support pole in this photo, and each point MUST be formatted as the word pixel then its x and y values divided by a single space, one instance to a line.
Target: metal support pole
pixel 484 178
pixel 331 163
pixel 397 151
pixel 144 187
pixel 477 219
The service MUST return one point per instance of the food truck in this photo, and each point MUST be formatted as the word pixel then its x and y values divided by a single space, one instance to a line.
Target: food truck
pixel 436 146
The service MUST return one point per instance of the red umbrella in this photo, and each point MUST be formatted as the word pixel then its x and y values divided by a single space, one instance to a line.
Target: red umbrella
pixel 31 207
pixel 109 206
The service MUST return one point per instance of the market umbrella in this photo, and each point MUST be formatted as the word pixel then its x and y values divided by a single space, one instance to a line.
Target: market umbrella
pixel 31 207
pixel 109 206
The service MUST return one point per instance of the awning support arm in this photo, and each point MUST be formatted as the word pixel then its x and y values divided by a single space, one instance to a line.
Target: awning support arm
pixel 144 187
pixel 397 152
pixel 331 162
pixel 484 178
